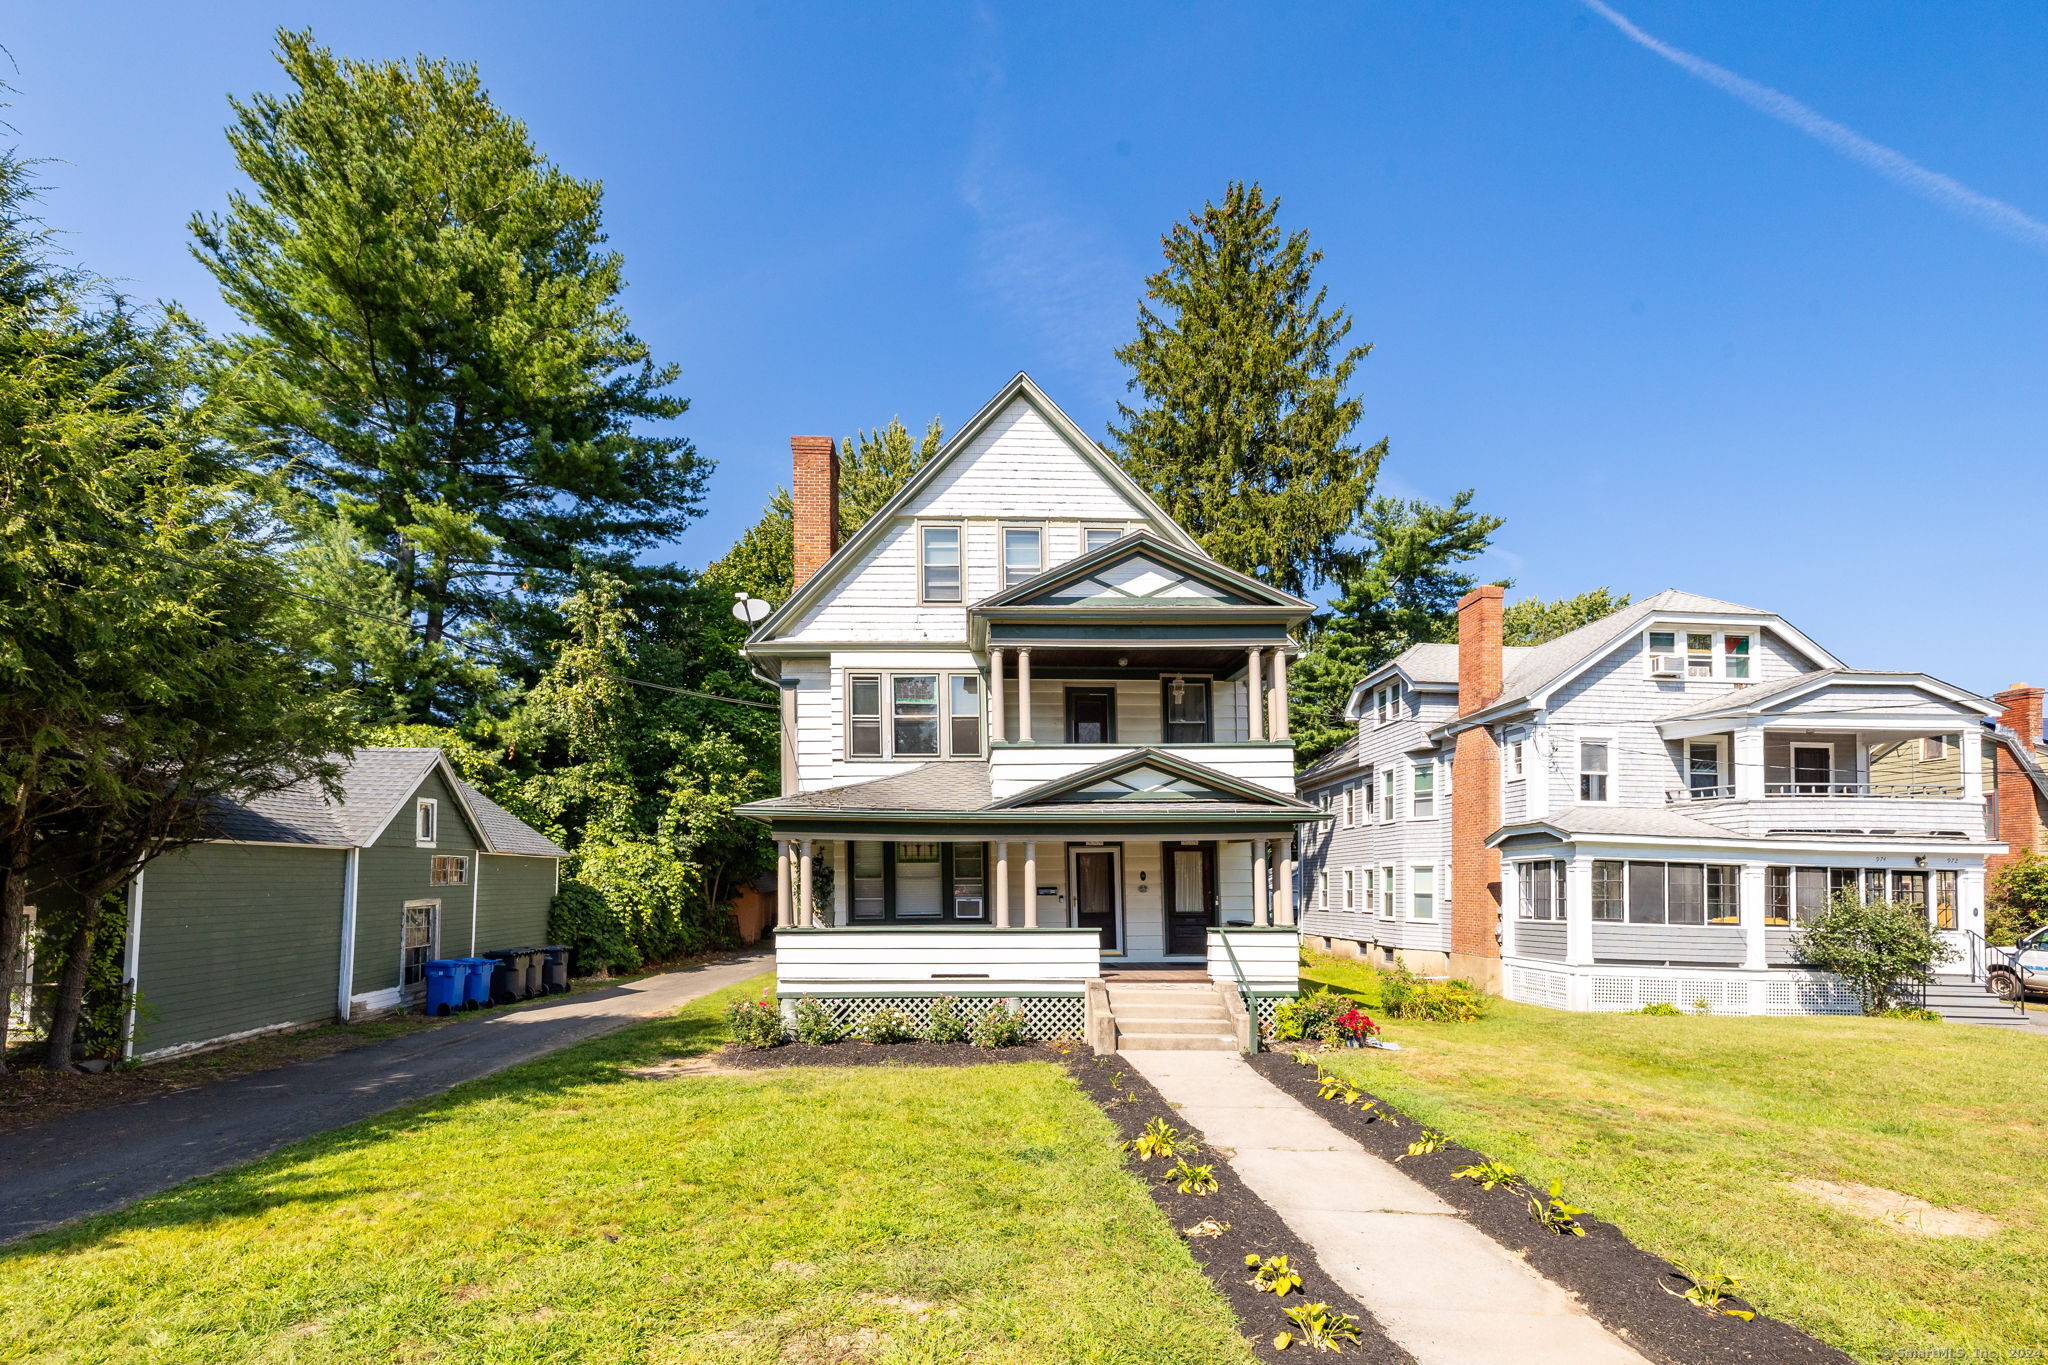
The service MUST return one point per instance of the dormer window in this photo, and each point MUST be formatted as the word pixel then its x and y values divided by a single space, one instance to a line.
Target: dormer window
pixel 1386 703
pixel 1699 654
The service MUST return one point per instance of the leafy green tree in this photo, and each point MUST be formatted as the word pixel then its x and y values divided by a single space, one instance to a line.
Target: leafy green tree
pixel 1243 428
pixel 2018 900
pixel 1403 590
pixel 436 348
pixel 1877 947
pixel 1532 620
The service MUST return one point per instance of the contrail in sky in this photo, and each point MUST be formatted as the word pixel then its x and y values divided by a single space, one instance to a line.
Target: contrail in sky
pixel 1900 170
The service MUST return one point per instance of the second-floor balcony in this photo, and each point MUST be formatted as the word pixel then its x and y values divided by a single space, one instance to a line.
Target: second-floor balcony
pixel 1832 783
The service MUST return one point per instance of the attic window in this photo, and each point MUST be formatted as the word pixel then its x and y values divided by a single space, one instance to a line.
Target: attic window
pixel 1099 537
pixel 1023 554
pixel 1699 654
pixel 426 822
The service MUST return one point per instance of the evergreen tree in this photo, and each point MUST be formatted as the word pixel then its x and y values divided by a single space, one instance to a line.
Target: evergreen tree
pixel 436 347
pixel 1243 433
pixel 1532 620
pixel 1404 591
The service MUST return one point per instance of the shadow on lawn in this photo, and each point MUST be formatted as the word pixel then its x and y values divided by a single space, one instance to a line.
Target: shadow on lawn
pixel 269 1182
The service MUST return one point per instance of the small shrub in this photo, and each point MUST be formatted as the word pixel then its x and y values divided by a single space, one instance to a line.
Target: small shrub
pixel 755 1024
pixel 1272 1276
pixel 1663 1009
pixel 1702 1006
pixel 948 1023
pixel 1709 1289
pixel 1160 1138
pixel 1320 1326
pixel 1489 1174
pixel 2017 900
pixel 1430 1141
pixel 1189 1179
pixel 1877 947
pixel 816 1024
pixel 886 1026
pixel 1000 1025
pixel 1554 1213
pixel 1912 1012
pixel 1404 995
pixel 1312 1017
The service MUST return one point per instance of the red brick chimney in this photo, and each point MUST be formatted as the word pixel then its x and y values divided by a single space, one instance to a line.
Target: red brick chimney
pixel 2019 806
pixel 1475 796
pixel 815 494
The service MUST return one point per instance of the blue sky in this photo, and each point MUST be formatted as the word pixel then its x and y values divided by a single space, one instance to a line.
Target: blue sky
pixel 1676 341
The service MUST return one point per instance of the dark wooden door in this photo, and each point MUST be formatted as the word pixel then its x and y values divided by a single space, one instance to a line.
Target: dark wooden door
pixel 1095 893
pixel 1091 715
pixel 1190 898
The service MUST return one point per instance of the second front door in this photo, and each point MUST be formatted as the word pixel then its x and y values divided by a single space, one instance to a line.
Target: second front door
pixel 1095 894
pixel 1190 898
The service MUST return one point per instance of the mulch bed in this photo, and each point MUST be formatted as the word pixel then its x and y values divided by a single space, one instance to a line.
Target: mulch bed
pixel 1620 1284
pixel 880 1054
pixel 1131 1103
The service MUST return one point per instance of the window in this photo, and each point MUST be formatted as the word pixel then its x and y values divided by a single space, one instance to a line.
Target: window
pixel 1799 893
pixel 1707 654
pixel 1735 656
pixel 1699 654
pixel 1091 715
pixel 1370 791
pixel 869 902
pixel 1422 892
pixel 939 563
pixel 1390 790
pixel 1540 890
pixel 1023 554
pixel 1096 537
pixel 1387 703
pixel 1367 900
pixel 1513 766
pixel 1705 772
pixel 963 713
pixel 1350 888
pixel 1680 893
pixel 1934 748
pixel 919 878
pixel 1422 797
pixel 1610 893
pixel 1187 710
pixel 1813 769
pixel 970 881
pixel 1323 890
pixel 1386 893
pixel 915 720
pixel 1350 806
pixel 1945 900
pixel 1593 770
pixel 448 870
pixel 418 926
pixel 426 821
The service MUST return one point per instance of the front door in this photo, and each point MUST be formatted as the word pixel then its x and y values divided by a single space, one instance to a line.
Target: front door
pixel 417 931
pixel 1095 895
pixel 1813 769
pixel 1190 898
pixel 1091 715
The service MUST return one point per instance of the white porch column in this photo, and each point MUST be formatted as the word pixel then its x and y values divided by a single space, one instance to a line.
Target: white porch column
pixel 842 882
pixel 1262 909
pixel 1973 766
pixel 807 900
pixel 1024 696
pixel 1749 764
pixel 782 920
pixel 1030 886
pixel 998 730
pixel 1578 912
pixel 1283 882
pixel 1254 697
pixel 1002 886
pixel 1282 728
pixel 1751 909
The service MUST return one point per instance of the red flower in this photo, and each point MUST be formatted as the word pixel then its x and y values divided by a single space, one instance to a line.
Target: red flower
pixel 1357 1024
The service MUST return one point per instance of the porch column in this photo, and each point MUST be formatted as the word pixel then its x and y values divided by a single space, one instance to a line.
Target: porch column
pixel 1023 696
pixel 806 903
pixel 1281 728
pixel 782 920
pixel 1749 764
pixel 1262 908
pixel 998 732
pixel 1973 766
pixel 842 882
pixel 1002 886
pixel 1254 697
pixel 1283 888
pixel 1030 886
pixel 1751 909
pixel 1578 912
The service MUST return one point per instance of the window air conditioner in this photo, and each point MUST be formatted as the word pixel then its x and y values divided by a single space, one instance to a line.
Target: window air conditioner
pixel 1667 666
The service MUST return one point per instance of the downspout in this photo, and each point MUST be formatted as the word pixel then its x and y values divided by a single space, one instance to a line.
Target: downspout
pixel 345 987
pixel 785 693
pixel 131 965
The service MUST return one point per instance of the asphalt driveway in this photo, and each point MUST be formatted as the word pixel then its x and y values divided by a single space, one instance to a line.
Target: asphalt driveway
pixel 90 1162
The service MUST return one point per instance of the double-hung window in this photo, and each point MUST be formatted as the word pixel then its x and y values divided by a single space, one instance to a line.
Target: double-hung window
pixel 1187 710
pixel 1593 769
pixel 1323 890
pixel 1351 806
pixel 1387 704
pixel 913 715
pixel 1023 553
pixel 939 560
pixel 1368 791
pixel 1368 897
pixel 1517 741
pixel 426 822
pixel 1422 794
pixel 1386 893
pixel 1390 794
pixel 1540 890
pixel 1350 888
pixel 1422 893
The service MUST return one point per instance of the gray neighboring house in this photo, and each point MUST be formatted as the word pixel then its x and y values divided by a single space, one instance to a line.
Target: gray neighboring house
pixel 302 909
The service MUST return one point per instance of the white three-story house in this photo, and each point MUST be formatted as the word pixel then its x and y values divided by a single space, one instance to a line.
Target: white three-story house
pixel 1645 809
pixel 1034 737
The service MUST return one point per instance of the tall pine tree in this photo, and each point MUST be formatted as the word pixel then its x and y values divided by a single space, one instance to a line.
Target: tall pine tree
pixel 1532 620
pixel 1243 430
pixel 436 346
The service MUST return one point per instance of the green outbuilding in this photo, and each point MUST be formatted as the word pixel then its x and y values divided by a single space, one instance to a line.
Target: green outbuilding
pixel 303 909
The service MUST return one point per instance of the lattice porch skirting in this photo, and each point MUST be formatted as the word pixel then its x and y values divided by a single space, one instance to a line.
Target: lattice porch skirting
pixel 1045 1016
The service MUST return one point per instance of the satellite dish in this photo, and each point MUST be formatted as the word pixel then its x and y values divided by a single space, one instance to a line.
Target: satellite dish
pixel 750 609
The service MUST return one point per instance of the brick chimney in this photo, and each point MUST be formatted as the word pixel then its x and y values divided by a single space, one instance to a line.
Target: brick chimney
pixel 2019 806
pixel 1475 796
pixel 815 495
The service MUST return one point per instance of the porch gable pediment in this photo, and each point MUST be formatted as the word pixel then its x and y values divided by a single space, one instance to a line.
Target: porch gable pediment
pixel 1142 570
pixel 1150 777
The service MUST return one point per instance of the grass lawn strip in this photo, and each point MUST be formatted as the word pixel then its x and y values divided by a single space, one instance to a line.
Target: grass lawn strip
pixel 1689 1133
pixel 562 1210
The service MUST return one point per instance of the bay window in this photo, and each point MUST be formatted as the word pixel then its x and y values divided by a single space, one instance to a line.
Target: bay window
pixel 913 715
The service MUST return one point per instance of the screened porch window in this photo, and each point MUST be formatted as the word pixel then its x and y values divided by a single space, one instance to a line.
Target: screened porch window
pixel 920 882
pixel 1540 888
pixel 1681 893
pixel 869 887
pixel 1610 890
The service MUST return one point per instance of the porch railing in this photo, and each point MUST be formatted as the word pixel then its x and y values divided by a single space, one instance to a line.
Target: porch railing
pixel 1816 787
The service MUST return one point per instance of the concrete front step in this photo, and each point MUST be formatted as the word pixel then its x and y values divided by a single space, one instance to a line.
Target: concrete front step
pixel 1126 1025
pixel 1174 1042
pixel 1961 1002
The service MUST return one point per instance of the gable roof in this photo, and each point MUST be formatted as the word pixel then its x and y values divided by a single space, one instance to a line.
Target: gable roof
pixel 1785 690
pixel 927 787
pixel 1143 570
pixel 1020 388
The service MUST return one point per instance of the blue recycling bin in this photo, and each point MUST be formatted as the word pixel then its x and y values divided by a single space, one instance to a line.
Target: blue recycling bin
pixel 476 981
pixel 445 986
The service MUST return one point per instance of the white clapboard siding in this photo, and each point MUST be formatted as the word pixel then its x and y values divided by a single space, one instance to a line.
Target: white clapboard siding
pixel 1020 467
pixel 954 957
pixel 1270 958
pixel 1016 770
pixel 1140 707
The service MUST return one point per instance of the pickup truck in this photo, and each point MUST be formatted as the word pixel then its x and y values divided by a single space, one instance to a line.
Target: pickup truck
pixel 2021 967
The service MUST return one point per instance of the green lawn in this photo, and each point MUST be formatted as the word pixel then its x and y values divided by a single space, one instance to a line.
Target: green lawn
pixel 1684 1131
pixel 563 1212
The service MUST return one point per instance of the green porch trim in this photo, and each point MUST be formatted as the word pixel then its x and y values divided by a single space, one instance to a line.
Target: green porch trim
pixel 1020 827
pixel 1132 745
pixel 969 927
pixel 1054 633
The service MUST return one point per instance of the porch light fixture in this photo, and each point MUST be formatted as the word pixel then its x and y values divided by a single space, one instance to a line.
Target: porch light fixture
pixel 1179 690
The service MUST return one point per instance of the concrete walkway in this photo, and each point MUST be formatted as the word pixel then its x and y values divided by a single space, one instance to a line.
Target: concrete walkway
pixel 1441 1287
pixel 90 1162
